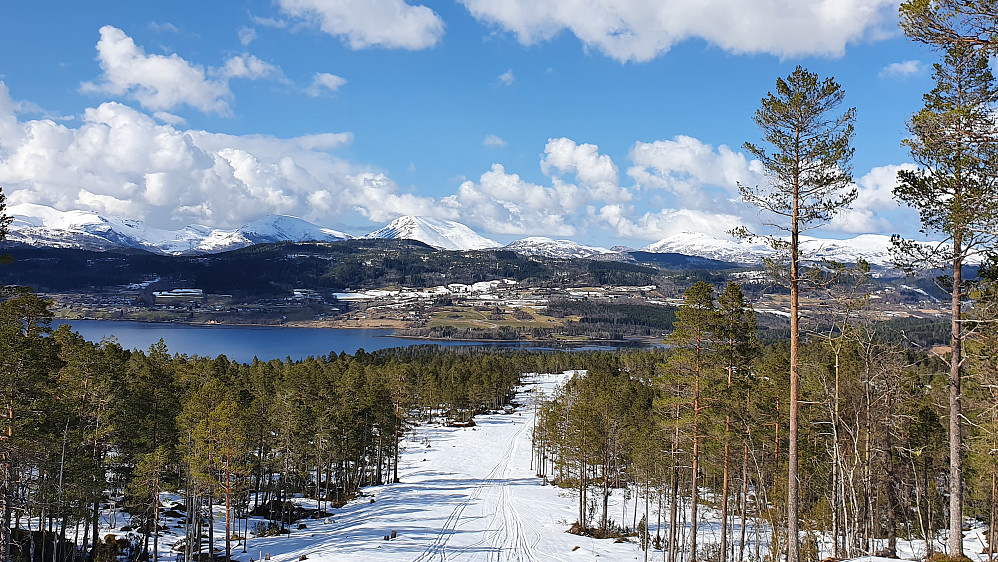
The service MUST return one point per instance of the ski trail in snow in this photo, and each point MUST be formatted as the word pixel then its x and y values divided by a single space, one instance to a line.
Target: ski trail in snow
pixel 437 550
pixel 506 537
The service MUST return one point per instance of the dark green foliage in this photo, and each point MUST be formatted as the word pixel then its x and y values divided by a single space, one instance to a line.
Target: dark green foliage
pixel 619 273
pixel 267 270
pixel 670 260
pixel 614 314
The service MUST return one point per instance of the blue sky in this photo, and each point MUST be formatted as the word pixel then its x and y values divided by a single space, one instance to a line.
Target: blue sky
pixel 604 122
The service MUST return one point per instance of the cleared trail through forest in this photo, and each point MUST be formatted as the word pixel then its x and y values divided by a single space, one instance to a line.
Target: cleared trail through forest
pixel 466 495
pixel 495 529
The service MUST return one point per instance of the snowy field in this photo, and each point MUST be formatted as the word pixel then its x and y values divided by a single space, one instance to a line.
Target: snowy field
pixel 470 494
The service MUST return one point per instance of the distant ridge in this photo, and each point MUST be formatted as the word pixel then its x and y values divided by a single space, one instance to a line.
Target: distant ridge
pixel 39 225
pixel 874 248
pixel 564 249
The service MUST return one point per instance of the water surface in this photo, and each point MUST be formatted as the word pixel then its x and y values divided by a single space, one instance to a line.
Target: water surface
pixel 243 343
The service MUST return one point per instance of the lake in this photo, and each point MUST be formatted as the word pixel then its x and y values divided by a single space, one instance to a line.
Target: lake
pixel 243 343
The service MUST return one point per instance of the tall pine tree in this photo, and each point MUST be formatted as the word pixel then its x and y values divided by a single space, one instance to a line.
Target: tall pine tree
pixel 806 157
pixel 954 140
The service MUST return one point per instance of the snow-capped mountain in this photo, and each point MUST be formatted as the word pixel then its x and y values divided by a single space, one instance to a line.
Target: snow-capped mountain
pixel 439 233
pixel 282 228
pixel 45 226
pixel 874 248
pixel 565 249
pixel 706 246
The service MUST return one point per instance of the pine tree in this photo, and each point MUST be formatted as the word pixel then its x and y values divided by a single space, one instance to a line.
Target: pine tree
pixel 951 23
pixel 694 364
pixel 735 330
pixel 954 140
pixel 809 180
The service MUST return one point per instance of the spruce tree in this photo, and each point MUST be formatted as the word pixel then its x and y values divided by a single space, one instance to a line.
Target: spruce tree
pixel 808 180
pixel 954 140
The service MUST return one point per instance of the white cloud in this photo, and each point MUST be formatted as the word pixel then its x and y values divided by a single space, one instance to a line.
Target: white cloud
pixel 161 82
pixel 121 161
pixel 493 140
pixel 157 82
pixel 249 67
pixel 692 170
pixel 902 70
pixel 170 118
pixel 875 204
pixel 371 23
pixel 504 203
pixel 507 78
pixel 324 82
pixel 166 27
pixel 650 226
pixel 639 30
pixel 583 160
pixel 247 35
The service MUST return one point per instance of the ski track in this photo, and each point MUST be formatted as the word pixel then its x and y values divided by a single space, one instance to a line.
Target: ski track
pixel 505 536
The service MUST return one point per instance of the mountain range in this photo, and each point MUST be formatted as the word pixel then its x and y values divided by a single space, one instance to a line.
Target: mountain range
pixel 44 226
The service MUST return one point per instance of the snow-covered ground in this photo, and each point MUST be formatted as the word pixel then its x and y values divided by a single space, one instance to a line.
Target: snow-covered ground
pixel 470 494
pixel 466 494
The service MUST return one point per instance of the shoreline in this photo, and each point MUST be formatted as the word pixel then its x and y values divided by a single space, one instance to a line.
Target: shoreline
pixel 649 341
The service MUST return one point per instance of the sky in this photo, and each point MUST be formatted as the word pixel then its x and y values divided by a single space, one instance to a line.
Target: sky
pixel 602 122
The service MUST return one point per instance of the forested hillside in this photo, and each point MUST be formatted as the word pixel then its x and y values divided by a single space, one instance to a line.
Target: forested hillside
pixel 275 269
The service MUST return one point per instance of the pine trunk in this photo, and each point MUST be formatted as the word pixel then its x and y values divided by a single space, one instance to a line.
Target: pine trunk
pixel 793 534
pixel 955 458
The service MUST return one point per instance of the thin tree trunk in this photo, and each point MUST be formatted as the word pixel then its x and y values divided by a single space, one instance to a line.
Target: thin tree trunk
pixel 991 524
pixel 955 409
pixel 673 500
pixel 741 541
pixel 793 534
pixel 228 512
pixel 724 486
pixel 892 499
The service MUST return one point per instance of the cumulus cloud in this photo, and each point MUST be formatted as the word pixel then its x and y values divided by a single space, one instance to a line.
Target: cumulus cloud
pixel 507 78
pixel 324 82
pixel 361 24
pixel 902 70
pixel 692 170
pixel 157 82
pixel 504 203
pixel 874 205
pixel 584 160
pixel 639 30
pixel 164 82
pixel 121 161
pixel 494 140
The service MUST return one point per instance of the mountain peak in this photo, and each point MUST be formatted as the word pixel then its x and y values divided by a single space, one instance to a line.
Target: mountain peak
pixel 440 233
pixel 284 228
